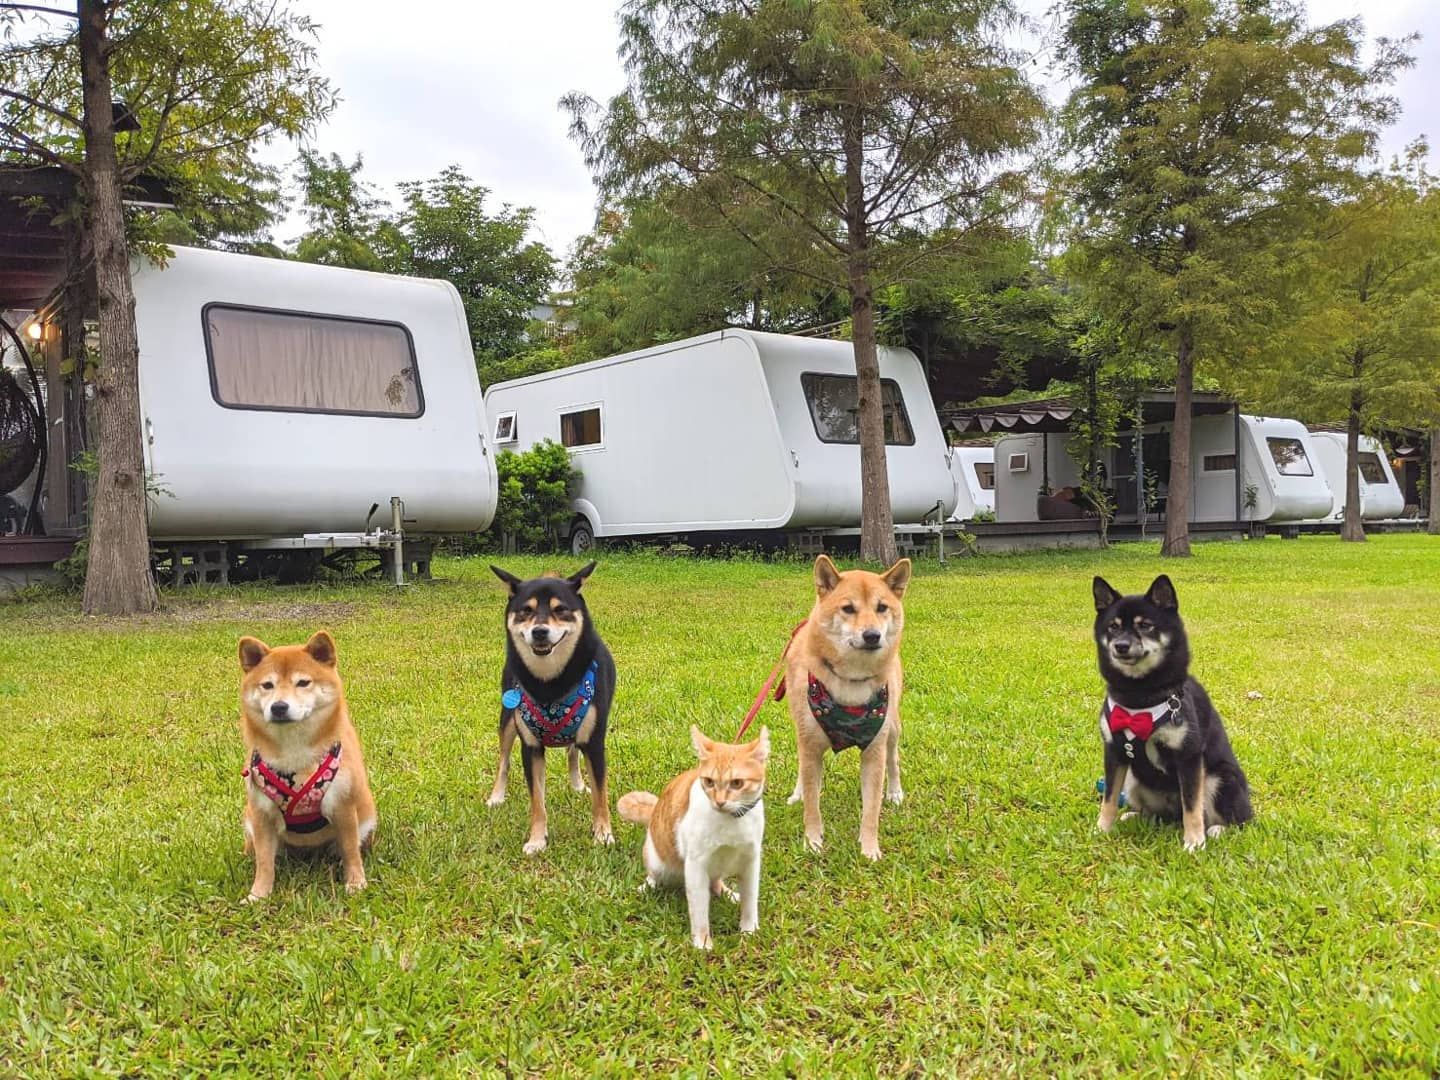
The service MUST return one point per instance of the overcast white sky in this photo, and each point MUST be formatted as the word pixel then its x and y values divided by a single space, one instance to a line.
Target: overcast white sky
pixel 478 83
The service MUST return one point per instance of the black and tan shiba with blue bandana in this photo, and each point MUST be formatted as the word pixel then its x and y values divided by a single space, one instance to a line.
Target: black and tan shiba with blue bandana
pixel 1165 744
pixel 555 691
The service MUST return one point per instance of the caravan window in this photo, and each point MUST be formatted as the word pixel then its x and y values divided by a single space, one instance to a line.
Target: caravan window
pixel 1289 455
pixel 505 428
pixel 985 473
pixel 835 409
pixel 1372 469
pixel 291 362
pixel 580 428
pixel 1219 462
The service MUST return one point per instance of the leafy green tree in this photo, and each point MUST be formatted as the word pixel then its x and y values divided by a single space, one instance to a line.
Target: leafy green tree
pixel 444 231
pixel 1205 135
pixel 1364 342
pixel 993 317
pixel 203 84
pixel 869 136
pixel 349 224
pixel 649 274
pixel 535 490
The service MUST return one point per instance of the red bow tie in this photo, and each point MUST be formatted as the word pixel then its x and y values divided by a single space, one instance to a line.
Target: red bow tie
pixel 1141 723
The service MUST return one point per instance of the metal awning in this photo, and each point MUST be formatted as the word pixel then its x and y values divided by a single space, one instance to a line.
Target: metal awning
pixel 1054 415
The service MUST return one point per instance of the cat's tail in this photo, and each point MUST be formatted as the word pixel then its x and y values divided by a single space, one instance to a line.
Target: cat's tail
pixel 636 807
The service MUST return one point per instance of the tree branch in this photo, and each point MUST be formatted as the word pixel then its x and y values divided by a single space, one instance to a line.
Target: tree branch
pixel 42 10
pixel 53 110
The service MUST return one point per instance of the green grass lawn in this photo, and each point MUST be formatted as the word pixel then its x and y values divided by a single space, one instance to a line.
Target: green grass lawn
pixel 1000 934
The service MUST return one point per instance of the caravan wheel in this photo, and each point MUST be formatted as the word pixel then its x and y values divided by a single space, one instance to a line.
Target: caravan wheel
pixel 582 539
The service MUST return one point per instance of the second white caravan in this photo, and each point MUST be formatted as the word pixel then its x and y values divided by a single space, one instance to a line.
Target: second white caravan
pixel 731 432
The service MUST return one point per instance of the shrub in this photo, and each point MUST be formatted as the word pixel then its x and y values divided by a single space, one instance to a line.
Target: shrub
pixel 536 487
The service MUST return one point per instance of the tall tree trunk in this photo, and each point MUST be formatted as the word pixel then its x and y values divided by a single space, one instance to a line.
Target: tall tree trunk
pixel 1177 502
pixel 1352 529
pixel 117 576
pixel 877 525
pixel 1432 489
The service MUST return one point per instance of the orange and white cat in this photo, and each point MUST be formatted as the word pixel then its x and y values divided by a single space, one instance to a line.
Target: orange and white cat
pixel 708 825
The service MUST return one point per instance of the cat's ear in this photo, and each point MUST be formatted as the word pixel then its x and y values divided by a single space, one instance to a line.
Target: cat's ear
pixel 703 746
pixel 761 746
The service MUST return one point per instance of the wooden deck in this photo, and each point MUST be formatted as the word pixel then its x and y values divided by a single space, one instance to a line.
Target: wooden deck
pixel 30 560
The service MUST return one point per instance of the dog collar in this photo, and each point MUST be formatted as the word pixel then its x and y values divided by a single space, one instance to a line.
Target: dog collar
pixel 558 723
pixel 301 806
pixel 1139 724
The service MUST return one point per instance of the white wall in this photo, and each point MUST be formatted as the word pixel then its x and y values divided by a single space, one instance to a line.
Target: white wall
pixel 1016 492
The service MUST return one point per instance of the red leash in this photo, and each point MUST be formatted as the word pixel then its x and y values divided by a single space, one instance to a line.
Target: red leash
pixel 769 682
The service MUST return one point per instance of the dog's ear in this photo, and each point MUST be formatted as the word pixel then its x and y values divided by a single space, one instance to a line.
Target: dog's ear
pixel 252 651
pixel 1104 594
pixel 826 576
pixel 1162 594
pixel 703 746
pixel 507 577
pixel 577 579
pixel 762 745
pixel 898 577
pixel 321 648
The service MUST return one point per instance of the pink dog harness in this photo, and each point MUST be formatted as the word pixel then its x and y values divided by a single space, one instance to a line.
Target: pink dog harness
pixel 301 806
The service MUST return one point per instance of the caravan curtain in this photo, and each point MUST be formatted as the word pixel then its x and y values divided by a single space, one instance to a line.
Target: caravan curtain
pixel 311 363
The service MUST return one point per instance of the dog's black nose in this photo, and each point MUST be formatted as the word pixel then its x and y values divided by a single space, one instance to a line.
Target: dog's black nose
pixel 540 633
pixel 280 709
pixel 872 637
pixel 1122 647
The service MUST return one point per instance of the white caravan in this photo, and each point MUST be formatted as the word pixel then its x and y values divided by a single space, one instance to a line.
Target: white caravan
pixel 974 469
pixel 282 399
pixel 731 432
pixel 1279 477
pixel 1380 494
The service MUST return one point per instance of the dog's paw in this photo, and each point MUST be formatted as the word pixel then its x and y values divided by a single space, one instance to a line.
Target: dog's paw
pixel 253 899
pixel 534 847
pixel 648 885
pixel 352 887
pixel 895 795
pixel 701 941
pixel 602 834
pixel 795 796
pixel 749 927
pixel 1214 830
pixel 815 842
pixel 496 798
pixel 719 888
pixel 1195 841
pixel 1129 814
pixel 1105 822
pixel 580 786
pixel 871 851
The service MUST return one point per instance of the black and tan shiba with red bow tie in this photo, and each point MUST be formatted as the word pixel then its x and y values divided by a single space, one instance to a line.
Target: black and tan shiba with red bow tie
pixel 1165 745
